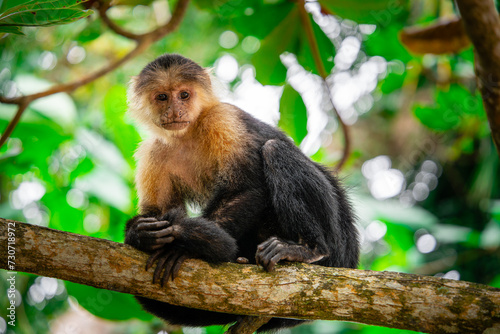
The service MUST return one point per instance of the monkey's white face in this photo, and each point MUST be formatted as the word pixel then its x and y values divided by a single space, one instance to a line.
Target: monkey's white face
pixel 166 110
pixel 174 108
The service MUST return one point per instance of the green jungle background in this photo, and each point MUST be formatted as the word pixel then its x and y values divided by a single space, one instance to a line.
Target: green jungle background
pixel 423 173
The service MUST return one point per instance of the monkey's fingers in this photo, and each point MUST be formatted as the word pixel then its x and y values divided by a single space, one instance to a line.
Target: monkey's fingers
pixel 269 262
pixel 162 241
pixel 266 243
pixel 173 264
pixel 152 225
pixel 146 219
pixel 273 261
pixel 158 233
pixel 153 258
pixel 267 250
pixel 269 244
pixel 261 260
pixel 159 267
pixel 177 266
pixel 273 254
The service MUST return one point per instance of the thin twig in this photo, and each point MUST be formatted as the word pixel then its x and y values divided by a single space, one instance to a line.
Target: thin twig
pixel 103 7
pixel 313 43
pixel 13 122
pixel 143 42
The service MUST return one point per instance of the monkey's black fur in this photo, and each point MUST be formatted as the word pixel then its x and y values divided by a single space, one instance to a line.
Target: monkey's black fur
pixel 277 198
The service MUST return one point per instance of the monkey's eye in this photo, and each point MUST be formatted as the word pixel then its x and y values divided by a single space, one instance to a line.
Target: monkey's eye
pixel 184 95
pixel 162 97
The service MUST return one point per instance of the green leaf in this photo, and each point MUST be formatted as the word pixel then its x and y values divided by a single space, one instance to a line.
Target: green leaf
pixel 400 240
pixel 452 107
pixel 124 135
pixel 293 119
pixel 325 46
pixel 380 12
pixel 267 16
pixel 210 4
pixel 107 304
pixel 384 42
pixel 392 82
pixel 216 329
pixel 43 13
pixel 437 118
pixel 130 2
pixel 495 282
pixel 11 30
pixel 92 31
pixel 461 99
pixel 269 69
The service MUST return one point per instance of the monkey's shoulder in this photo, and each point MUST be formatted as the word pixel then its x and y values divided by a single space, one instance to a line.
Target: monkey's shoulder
pixel 152 149
pixel 254 129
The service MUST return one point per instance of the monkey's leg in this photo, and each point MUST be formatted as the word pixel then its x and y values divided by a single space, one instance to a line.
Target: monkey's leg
pixel 270 252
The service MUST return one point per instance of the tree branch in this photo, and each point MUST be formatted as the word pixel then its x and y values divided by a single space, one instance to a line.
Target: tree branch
pixel 103 7
pixel 313 43
pixel 12 124
pixel 405 301
pixel 482 25
pixel 143 42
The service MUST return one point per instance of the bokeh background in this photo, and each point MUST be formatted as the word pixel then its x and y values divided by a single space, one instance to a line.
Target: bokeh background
pixel 423 173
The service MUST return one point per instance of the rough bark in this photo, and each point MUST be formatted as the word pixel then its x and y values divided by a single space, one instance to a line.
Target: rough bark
pixel 427 304
pixel 482 25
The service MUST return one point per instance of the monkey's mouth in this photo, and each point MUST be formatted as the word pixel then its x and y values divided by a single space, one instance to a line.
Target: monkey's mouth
pixel 175 125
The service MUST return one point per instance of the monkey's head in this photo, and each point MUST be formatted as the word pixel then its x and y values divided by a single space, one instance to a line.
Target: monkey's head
pixel 169 94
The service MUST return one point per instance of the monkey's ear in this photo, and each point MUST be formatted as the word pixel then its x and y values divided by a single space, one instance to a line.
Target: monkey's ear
pixel 137 109
pixel 132 89
pixel 133 82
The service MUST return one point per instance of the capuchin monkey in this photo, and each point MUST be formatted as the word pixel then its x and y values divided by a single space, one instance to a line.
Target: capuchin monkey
pixel 262 199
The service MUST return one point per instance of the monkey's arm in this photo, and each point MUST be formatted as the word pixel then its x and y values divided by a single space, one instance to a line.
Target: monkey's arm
pixel 304 202
pixel 174 237
pixel 200 237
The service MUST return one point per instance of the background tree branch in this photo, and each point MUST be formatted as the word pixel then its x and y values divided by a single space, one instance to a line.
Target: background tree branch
pixel 482 25
pixel 143 42
pixel 427 304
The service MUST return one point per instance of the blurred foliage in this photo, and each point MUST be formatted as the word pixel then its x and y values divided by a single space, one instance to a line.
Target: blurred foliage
pixel 424 174
pixel 39 14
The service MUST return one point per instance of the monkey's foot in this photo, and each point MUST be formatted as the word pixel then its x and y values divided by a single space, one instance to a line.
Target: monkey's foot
pixel 273 250
pixel 169 261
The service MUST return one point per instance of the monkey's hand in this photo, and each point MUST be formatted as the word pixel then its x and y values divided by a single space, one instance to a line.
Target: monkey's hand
pixel 169 261
pixel 150 234
pixel 273 250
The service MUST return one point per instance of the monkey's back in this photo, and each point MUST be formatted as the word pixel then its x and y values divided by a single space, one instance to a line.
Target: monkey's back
pixel 260 215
